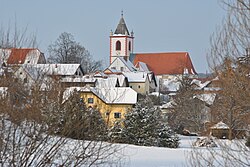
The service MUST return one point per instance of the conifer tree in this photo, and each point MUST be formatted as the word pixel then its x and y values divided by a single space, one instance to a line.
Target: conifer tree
pixel 144 126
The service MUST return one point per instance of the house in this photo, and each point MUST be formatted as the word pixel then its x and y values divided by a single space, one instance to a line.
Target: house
pixel 31 74
pixel 79 81
pixel 123 80
pixel 207 85
pixel 17 56
pixel 109 82
pixel 220 130
pixel 139 81
pixel 113 103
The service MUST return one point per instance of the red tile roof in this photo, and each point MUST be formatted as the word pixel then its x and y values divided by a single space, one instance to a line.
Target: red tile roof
pixel 18 56
pixel 166 63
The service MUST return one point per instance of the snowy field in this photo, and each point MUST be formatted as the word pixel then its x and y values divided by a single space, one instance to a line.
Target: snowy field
pixel 140 156
pixel 136 156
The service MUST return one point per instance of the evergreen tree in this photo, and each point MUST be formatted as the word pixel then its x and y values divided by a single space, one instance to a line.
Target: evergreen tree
pixel 167 137
pixel 73 119
pixel 143 126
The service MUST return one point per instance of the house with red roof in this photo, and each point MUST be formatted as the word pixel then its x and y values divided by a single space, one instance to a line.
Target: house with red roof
pixel 15 56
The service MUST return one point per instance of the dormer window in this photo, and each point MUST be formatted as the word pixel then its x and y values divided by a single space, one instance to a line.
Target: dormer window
pixel 118 45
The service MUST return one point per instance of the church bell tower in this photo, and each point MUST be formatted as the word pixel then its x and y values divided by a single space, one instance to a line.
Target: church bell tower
pixel 121 41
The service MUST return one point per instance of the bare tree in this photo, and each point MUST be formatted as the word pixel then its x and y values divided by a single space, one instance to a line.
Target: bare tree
pixel 29 130
pixel 229 60
pixel 66 50
pixel 16 38
pixel 28 135
pixel 187 112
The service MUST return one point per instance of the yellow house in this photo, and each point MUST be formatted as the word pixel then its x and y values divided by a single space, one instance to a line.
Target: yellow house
pixel 139 81
pixel 113 103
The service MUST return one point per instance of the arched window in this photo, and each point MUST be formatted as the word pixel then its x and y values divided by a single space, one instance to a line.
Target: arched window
pixel 129 46
pixel 118 45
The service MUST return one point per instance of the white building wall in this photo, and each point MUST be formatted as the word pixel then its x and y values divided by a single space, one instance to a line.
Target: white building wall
pixel 124 47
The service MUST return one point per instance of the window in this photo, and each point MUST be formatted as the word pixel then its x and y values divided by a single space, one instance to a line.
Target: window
pixel 81 100
pixel 117 115
pixel 129 46
pixel 113 68
pixel 90 100
pixel 25 80
pixel 139 86
pixel 107 114
pixel 131 87
pixel 118 45
pixel 122 68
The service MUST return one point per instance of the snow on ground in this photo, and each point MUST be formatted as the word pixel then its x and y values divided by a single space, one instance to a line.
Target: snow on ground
pixel 141 156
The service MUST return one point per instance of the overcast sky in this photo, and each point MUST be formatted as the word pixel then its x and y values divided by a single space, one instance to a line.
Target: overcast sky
pixel 159 25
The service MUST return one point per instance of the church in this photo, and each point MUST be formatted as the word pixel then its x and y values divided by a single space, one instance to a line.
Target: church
pixel 124 59
pixel 146 72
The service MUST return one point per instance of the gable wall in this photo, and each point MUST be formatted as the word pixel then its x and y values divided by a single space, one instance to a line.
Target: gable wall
pixel 106 108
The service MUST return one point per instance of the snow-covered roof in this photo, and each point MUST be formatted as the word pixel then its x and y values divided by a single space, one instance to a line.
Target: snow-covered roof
pixel 206 97
pixel 100 74
pixel 112 70
pixel 4 55
pixel 20 55
pixel 128 64
pixel 51 69
pixel 113 95
pixel 136 76
pixel 83 79
pixel 142 66
pixel 212 89
pixel 172 84
pixel 220 125
pixel 121 62
pixel 106 82
pixel 117 95
pixel 121 78
pixel 168 105
pixel 199 84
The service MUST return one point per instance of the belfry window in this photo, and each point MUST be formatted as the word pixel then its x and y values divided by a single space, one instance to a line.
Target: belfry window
pixel 129 46
pixel 118 45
